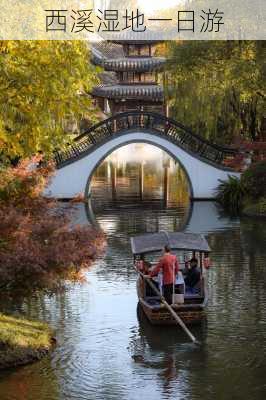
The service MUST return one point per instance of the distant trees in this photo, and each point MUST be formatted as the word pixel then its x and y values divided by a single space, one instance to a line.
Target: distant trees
pixel 44 89
pixel 39 246
pixel 218 88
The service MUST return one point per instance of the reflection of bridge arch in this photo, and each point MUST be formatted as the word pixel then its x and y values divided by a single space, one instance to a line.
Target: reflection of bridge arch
pixel 201 217
pixel 177 224
pixel 203 162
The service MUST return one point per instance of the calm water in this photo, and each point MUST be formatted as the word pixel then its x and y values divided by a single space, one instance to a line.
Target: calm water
pixel 99 328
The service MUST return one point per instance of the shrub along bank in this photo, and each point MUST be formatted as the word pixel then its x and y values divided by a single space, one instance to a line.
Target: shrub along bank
pixel 246 195
pixel 39 246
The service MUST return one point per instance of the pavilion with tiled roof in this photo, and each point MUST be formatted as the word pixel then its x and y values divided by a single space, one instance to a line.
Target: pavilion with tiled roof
pixel 130 80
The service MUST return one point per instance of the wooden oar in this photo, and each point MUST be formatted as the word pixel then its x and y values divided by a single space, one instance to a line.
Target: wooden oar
pixel 172 311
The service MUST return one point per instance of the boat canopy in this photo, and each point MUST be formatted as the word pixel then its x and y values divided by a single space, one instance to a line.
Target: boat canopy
pixel 154 242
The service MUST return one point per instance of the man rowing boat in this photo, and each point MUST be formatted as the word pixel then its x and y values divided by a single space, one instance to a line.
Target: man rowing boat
pixel 168 264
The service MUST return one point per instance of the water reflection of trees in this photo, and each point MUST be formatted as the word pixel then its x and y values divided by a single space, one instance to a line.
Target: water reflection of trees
pixel 28 383
pixel 237 281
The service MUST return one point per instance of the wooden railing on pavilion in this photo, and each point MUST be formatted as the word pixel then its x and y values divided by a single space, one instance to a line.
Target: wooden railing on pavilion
pixel 156 124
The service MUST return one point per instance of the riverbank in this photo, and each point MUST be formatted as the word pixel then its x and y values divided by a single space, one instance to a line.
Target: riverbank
pixel 23 341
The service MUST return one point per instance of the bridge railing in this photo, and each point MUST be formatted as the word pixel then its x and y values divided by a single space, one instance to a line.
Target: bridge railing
pixel 146 121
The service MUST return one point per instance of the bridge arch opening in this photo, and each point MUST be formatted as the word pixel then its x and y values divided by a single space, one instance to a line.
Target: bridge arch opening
pixel 139 173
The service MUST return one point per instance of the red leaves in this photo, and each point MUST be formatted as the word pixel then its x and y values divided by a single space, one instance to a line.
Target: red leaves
pixel 39 248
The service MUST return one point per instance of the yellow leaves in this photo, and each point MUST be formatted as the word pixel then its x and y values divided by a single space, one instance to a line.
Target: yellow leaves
pixel 39 85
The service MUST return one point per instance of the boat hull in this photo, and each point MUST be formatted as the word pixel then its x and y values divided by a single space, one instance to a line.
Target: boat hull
pixel 163 317
pixel 191 314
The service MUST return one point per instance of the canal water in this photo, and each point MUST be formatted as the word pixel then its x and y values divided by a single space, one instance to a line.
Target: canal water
pixel 106 349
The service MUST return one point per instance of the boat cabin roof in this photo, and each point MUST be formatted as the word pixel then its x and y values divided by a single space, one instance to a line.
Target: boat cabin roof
pixel 154 242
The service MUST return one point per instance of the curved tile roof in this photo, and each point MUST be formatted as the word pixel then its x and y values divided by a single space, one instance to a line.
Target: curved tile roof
pixel 130 36
pixel 138 64
pixel 103 51
pixel 144 92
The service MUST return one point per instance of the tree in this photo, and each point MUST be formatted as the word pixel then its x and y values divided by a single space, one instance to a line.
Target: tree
pixel 39 246
pixel 216 87
pixel 44 88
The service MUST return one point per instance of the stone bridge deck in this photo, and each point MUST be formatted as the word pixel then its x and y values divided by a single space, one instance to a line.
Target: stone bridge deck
pixel 158 124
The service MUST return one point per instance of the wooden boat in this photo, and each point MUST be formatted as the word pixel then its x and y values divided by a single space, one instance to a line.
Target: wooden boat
pixel 190 305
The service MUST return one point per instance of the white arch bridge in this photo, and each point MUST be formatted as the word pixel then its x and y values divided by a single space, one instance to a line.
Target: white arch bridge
pixel 203 162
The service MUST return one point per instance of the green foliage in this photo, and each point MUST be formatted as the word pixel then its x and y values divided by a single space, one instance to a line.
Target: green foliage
pixel 217 87
pixel 254 179
pixel 231 194
pixel 248 192
pixel 256 209
pixel 44 88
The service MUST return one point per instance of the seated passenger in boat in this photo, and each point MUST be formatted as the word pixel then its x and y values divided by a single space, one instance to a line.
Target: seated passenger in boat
pixel 207 261
pixel 143 265
pixel 168 264
pixel 192 278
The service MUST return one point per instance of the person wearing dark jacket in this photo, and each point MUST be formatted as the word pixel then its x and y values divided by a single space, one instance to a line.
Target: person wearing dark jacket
pixel 193 275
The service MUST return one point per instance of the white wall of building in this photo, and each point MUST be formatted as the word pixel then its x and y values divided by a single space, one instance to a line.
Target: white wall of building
pixel 72 179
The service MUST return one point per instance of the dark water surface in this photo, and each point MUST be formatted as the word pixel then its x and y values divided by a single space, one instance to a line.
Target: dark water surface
pixel 99 329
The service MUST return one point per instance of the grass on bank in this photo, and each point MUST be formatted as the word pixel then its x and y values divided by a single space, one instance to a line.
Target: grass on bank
pixel 23 341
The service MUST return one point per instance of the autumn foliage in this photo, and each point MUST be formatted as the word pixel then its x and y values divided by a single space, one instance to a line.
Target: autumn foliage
pixel 39 246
